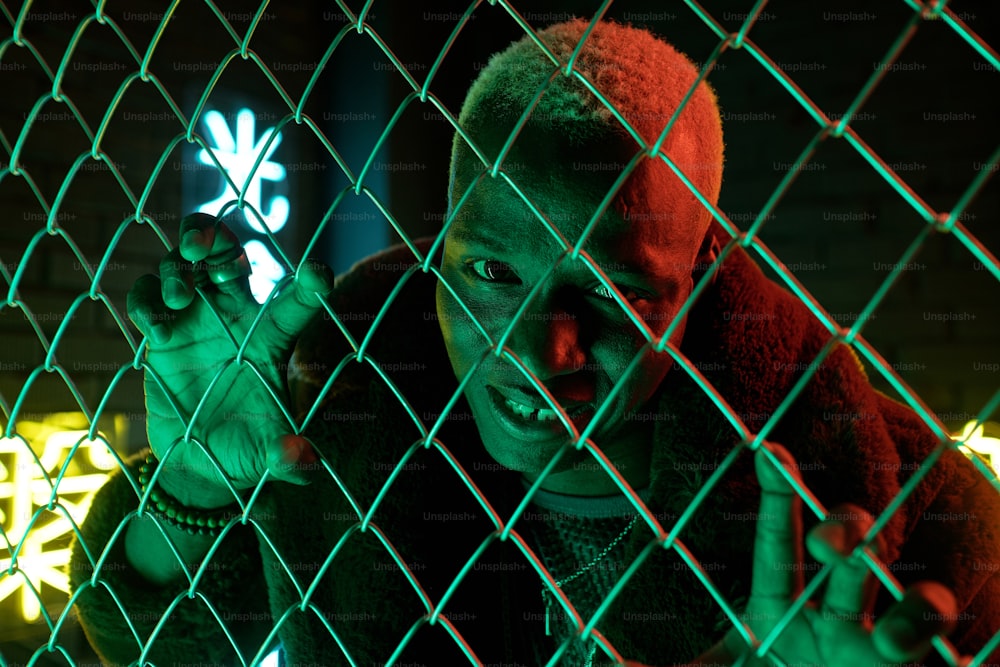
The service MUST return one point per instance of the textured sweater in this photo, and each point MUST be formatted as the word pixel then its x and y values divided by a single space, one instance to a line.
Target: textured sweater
pixel 429 569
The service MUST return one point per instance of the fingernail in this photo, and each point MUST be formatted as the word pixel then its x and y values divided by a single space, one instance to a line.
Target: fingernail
pixel 173 289
pixel 834 533
pixel 194 236
pixel 783 455
pixel 292 452
pixel 193 244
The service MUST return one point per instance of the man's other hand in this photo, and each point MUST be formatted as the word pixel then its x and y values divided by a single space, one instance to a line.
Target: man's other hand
pixel 839 629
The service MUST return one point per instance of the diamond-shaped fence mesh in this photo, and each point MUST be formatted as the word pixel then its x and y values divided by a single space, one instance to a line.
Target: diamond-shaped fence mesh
pixel 859 137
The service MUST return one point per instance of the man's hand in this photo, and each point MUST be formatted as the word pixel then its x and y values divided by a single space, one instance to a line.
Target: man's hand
pixel 195 317
pixel 838 629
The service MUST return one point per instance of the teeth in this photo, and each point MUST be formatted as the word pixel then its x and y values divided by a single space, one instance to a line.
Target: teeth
pixel 520 409
pixel 546 415
pixel 527 412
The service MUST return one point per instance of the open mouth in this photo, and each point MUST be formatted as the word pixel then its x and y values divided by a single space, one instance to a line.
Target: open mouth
pixel 541 414
pixel 537 420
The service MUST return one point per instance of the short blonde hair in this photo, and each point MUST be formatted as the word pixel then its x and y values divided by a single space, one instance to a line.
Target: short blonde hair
pixel 643 77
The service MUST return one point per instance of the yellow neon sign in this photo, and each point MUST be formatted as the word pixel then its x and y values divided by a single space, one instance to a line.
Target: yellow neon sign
pixel 977 444
pixel 34 540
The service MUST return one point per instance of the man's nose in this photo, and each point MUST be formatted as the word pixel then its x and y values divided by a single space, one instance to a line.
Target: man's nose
pixel 548 341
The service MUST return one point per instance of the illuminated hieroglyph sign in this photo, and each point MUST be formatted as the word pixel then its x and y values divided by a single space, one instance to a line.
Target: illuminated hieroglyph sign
pixel 34 539
pixel 975 442
pixel 238 152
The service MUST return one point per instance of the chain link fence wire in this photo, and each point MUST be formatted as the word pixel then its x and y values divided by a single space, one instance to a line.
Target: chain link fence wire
pixel 66 388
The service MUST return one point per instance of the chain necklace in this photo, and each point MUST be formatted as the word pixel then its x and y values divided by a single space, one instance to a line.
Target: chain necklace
pixel 550 600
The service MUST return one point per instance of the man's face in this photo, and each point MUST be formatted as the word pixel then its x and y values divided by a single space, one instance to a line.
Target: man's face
pixel 573 336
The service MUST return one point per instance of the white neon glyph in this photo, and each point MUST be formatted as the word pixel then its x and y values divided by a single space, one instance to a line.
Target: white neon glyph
pixel 237 155
pixel 267 271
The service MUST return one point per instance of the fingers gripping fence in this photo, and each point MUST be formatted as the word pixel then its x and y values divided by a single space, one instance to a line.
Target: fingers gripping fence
pixel 52 498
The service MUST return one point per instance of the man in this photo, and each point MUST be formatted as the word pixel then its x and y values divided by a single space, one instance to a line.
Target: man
pixel 569 492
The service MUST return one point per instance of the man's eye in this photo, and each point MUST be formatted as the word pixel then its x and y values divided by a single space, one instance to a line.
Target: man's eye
pixel 604 292
pixel 493 270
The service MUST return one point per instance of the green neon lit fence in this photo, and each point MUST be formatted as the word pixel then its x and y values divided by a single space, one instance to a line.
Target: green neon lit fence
pixel 92 200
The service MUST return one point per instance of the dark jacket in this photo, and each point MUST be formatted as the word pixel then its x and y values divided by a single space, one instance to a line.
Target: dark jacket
pixel 437 511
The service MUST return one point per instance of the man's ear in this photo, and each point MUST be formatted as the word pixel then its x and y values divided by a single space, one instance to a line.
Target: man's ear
pixel 708 253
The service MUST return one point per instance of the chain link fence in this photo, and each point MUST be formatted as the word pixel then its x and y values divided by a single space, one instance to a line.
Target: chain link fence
pixel 93 199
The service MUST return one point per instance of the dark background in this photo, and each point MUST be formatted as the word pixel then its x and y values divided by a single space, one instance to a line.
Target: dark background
pixel 838 228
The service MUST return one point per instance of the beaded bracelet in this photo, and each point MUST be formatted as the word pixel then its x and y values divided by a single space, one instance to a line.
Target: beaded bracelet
pixel 191 520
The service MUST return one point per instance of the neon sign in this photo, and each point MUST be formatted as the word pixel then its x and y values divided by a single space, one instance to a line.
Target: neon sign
pixel 978 444
pixel 238 151
pixel 36 540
